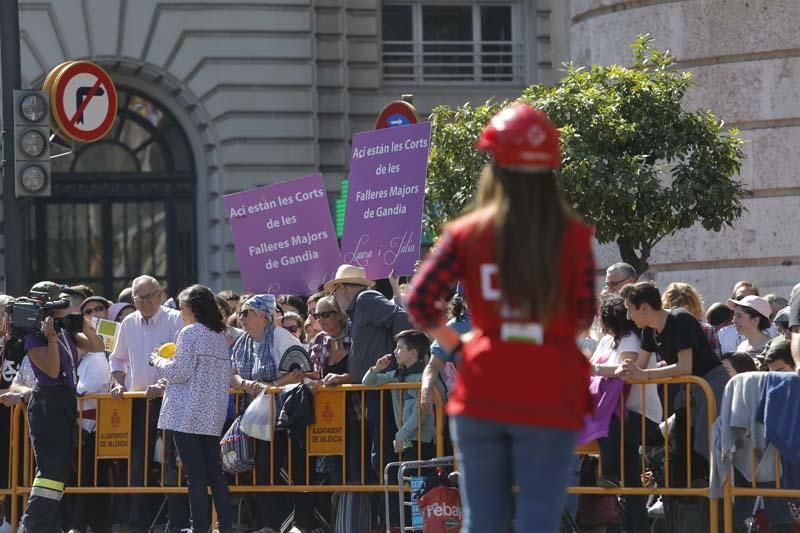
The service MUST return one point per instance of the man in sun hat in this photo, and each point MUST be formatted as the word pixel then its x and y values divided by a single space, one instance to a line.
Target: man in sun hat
pixel 376 319
pixel 375 322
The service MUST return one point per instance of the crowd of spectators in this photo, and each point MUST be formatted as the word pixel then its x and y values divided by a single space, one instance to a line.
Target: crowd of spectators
pixel 354 334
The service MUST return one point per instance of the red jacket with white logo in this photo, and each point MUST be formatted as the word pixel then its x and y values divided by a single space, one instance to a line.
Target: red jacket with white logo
pixel 510 381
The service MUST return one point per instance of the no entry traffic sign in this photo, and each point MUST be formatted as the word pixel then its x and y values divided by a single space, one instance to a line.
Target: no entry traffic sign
pixel 397 113
pixel 83 99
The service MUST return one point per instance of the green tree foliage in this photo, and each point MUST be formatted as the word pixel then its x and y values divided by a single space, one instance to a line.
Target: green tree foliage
pixel 635 163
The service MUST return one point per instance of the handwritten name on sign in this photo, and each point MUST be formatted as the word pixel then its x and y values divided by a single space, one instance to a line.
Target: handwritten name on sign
pixel 326 435
pixel 113 429
pixel 383 219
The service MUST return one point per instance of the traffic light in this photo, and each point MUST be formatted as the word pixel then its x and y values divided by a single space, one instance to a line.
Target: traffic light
pixel 32 143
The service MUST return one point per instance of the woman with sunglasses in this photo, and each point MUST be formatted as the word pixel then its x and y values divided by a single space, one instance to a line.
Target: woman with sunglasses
pixel 95 307
pixel 293 323
pixel 256 357
pixel 330 351
pixel 521 389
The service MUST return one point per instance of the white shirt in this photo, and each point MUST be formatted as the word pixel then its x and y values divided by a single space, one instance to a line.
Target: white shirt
pixel 25 376
pixel 606 354
pixel 729 339
pixel 94 375
pixel 137 339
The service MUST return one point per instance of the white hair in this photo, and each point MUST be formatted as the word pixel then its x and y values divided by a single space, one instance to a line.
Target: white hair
pixel 142 280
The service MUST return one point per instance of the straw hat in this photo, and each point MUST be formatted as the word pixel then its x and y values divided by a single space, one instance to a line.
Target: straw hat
pixel 348 274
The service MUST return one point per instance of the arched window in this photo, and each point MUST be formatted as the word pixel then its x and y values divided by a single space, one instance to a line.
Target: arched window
pixel 121 207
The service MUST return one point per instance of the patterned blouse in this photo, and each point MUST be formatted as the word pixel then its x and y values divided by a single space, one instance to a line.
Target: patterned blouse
pixel 198 378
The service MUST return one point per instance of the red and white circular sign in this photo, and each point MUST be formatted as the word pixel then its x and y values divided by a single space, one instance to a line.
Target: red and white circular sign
pixel 84 101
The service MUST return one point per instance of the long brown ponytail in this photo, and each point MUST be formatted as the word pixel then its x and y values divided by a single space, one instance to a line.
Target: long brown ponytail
pixel 530 217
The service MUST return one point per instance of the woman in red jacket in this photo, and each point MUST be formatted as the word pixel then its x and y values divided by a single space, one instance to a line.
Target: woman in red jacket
pixel 521 390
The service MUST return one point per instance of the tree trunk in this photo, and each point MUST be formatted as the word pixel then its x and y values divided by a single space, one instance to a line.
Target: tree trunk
pixel 628 254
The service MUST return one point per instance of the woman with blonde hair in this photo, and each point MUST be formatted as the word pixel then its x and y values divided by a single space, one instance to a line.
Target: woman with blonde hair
pixel 685 296
pixel 521 391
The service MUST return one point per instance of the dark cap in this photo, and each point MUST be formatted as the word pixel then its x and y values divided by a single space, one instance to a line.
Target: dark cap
pixel 52 290
pixel 95 299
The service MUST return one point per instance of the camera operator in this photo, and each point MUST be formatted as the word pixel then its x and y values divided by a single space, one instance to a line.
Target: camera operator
pixel 52 410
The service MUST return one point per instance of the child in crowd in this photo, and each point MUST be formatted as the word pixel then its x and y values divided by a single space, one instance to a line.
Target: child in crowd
pixel 415 437
pixel 412 352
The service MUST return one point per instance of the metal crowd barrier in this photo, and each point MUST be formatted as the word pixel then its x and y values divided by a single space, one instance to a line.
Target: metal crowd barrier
pixel 669 488
pixel 8 487
pixel 23 465
pixel 22 462
pixel 732 490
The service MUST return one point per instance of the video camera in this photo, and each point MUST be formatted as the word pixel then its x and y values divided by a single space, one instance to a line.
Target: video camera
pixel 25 315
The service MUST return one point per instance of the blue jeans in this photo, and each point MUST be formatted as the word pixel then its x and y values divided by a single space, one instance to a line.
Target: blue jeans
pixel 493 455
pixel 202 465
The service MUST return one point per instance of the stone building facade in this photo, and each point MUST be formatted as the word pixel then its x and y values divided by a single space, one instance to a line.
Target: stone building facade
pixel 745 57
pixel 265 91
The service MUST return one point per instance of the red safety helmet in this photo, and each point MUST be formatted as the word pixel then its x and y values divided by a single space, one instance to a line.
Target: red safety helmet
pixel 521 137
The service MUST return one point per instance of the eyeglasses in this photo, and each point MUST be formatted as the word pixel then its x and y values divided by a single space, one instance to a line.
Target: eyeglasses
pixel 98 309
pixel 144 297
pixel 324 314
pixel 291 329
pixel 612 284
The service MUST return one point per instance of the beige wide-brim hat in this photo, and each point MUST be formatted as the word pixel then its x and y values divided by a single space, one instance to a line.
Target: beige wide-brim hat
pixel 348 274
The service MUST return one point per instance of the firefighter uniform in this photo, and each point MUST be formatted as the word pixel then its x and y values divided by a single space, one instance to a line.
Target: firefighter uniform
pixel 52 415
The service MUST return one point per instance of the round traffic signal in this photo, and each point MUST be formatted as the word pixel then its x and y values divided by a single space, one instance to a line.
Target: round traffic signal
pixel 33 178
pixel 32 143
pixel 33 107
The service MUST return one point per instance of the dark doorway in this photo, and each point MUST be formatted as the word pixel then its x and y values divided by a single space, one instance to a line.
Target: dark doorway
pixel 121 207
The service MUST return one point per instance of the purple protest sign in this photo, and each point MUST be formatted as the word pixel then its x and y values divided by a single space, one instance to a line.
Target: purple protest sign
pixel 383 218
pixel 284 236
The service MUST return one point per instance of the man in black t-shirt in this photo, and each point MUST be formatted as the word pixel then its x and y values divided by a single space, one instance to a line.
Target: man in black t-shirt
pixel 675 335
pixel 794 323
pixel 678 339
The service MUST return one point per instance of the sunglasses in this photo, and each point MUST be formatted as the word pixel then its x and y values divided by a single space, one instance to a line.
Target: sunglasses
pixel 324 314
pixel 291 329
pixel 98 309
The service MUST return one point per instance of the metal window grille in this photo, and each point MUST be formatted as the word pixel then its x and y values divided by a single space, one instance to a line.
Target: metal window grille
pixel 487 49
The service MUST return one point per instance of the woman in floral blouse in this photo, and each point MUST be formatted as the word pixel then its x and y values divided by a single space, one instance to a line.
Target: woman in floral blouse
pixel 196 401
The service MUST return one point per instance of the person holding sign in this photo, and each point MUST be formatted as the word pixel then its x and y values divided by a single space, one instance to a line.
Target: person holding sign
pixel 527 266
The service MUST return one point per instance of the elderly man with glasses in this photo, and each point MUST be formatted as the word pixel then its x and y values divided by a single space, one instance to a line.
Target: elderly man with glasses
pixel 618 275
pixel 139 334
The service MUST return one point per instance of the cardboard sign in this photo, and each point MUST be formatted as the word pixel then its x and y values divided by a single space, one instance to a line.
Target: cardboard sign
pixel 114 428
pixel 107 330
pixel 385 197
pixel 284 237
pixel 326 435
